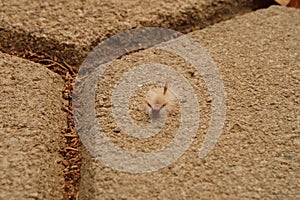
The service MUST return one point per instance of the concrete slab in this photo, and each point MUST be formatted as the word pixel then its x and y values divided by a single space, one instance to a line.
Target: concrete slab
pixel 257 156
pixel 31 121
pixel 69 29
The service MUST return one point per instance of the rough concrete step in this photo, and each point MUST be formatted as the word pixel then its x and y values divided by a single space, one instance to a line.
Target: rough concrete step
pixel 41 29
pixel 31 121
pixel 69 29
pixel 257 156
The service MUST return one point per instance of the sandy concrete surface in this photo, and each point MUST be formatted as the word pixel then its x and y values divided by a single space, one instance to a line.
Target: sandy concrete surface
pixel 70 28
pixel 31 121
pixel 257 156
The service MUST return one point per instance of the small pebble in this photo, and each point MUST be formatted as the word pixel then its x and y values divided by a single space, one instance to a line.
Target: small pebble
pixel 14 141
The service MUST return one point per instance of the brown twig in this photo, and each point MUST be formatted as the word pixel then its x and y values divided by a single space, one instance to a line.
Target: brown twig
pixel 52 61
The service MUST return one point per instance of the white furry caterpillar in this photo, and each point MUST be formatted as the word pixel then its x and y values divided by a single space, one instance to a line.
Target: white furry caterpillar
pixel 159 99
